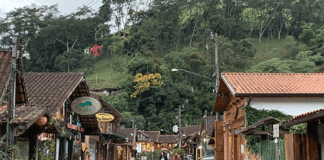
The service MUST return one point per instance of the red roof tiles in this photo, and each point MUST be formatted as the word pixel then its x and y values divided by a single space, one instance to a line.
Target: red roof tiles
pixel 306 114
pixel 275 83
pixel 305 117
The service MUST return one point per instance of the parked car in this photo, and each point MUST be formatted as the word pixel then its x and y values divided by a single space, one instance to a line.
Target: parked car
pixel 188 157
pixel 208 158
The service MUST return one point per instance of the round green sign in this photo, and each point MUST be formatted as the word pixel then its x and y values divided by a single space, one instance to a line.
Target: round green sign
pixel 86 106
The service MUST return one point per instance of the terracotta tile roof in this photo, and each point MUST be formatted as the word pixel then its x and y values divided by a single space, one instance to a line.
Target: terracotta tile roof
pixel 107 107
pixel 5 68
pixel 246 84
pixel 305 117
pixel 168 138
pixel 128 132
pixel 190 129
pixel 50 89
pixel 152 136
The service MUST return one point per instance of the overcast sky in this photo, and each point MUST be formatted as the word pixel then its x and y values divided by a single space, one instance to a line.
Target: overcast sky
pixel 64 6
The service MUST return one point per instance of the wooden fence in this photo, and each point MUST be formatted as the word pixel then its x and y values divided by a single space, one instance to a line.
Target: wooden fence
pixel 301 147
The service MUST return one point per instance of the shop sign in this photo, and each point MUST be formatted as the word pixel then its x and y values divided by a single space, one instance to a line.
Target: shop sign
pixel 75 127
pixel 105 117
pixel 276 130
pixel 83 146
pixel 86 106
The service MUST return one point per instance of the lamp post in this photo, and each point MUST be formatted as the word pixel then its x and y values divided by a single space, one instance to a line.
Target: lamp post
pixel 127 140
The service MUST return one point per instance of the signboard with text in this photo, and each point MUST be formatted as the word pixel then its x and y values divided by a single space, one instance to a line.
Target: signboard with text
pixel 276 130
pixel 75 127
pixel 105 117
pixel 86 106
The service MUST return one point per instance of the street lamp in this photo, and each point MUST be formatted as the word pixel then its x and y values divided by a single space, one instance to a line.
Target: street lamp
pixel 127 140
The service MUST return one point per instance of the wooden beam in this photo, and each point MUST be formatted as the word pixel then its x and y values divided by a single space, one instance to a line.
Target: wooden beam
pixel 265 132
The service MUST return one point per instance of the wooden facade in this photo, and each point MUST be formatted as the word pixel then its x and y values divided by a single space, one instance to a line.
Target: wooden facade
pixel 289 93
pixel 233 124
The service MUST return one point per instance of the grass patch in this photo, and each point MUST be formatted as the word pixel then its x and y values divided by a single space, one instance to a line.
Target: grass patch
pixel 107 77
pixel 263 50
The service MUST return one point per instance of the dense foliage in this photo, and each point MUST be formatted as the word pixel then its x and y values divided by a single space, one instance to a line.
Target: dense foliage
pixel 166 34
pixel 253 115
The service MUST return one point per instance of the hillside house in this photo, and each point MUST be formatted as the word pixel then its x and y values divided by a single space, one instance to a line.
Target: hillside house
pixel 96 50
pixel 290 93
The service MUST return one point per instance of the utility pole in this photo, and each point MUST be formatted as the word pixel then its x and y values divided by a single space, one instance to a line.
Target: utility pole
pixel 216 74
pixel 133 121
pixel 206 134
pixel 12 90
pixel 179 126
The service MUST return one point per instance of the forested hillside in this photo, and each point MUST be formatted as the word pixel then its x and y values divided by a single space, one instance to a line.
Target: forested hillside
pixel 253 36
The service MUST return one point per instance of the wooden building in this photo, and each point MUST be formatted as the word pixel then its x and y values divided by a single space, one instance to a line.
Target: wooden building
pixel 167 142
pixel 10 99
pixel 191 140
pixel 309 145
pixel 147 141
pixel 290 93
pixel 56 91
pixel 104 145
pixel 48 110
pixel 127 150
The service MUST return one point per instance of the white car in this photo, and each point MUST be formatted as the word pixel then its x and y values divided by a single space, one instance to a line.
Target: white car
pixel 208 158
pixel 188 157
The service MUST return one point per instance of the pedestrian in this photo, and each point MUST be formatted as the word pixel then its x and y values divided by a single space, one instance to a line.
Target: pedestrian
pixel 162 156
pixel 165 156
pixel 176 157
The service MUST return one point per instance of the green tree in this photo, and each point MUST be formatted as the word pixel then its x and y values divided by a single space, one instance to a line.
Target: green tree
pixel 307 35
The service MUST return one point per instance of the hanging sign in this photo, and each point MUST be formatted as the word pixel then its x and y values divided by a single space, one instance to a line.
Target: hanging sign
pixel 75 127
pixel 105 117
pixel 276 130
pixel 86 106
pixel 83 146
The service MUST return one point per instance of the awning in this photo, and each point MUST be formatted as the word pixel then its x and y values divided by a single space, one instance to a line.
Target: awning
pixel 117 138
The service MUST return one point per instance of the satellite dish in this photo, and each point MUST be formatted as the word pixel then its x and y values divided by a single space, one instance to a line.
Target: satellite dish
pixel 175 128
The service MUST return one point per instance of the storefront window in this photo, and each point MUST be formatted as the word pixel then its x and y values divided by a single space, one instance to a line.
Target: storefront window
pixel 93 150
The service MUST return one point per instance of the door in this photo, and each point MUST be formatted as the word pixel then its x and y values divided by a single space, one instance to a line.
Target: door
pixel 93 150
pixel 236 149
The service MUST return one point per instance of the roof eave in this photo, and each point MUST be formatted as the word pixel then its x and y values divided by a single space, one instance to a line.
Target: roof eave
pixel 228 85
pixel 304 119
pixel 279 94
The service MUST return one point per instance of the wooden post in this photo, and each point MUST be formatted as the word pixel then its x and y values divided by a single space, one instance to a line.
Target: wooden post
pixel 289 146
pixel 219 141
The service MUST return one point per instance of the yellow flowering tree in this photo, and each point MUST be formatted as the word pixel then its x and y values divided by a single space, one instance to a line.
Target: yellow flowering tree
pixel 143 82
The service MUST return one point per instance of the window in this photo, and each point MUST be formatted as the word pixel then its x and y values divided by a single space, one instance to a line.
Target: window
pixel 110 128
pixel 93 150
